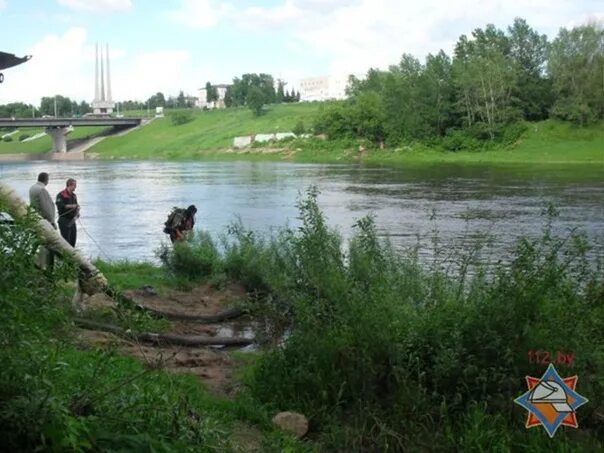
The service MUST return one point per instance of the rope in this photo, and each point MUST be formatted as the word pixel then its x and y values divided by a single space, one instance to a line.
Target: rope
pixel 105 255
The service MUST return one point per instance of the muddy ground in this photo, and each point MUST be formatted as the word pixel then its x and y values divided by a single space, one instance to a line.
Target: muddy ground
pixel 211 364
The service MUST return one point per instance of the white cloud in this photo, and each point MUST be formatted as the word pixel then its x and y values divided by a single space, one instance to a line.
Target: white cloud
pixel 64 64
pixel 260 18
pixel 166 70
pixel 98 5
pixel 200 14
pixel 2 5
pixel 58 66
pixel 356 35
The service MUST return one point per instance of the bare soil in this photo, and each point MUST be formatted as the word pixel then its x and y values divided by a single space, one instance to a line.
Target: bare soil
pixel 212 365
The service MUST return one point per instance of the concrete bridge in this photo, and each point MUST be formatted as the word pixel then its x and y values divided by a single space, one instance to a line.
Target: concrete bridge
pixel 58 128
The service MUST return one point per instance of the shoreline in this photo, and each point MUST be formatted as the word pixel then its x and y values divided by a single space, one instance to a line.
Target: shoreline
pixel 385 157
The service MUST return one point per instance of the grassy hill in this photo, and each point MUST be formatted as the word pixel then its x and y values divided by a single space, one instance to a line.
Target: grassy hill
pixel 209 130
pixel 210 136
pixel 43 144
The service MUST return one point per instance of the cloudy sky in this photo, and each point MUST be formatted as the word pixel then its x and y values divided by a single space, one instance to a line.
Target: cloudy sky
pixel 173 45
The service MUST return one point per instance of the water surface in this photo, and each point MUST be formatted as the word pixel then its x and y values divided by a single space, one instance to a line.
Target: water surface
pixel 124 204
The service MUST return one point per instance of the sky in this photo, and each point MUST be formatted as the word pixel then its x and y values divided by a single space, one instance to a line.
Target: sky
pixel 173 45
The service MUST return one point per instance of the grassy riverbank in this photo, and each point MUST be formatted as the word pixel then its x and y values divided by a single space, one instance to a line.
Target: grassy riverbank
pixel 44 144
pixel 209 136
pixel 383 354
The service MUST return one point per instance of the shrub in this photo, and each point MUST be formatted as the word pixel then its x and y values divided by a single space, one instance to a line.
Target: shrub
pixel 395 354
pixel 181 117
pixel 194 259
pixel 23 137
pixel 7 138
pixel 299 129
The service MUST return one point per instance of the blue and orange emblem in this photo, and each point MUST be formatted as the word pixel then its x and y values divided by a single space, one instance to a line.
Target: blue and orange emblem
pixel 551 401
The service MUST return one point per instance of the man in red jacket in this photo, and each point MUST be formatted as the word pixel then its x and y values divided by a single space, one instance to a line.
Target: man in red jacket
pixel 69 211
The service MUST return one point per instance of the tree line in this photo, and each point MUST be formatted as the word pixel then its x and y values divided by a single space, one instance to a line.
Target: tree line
pixel 253 90
pixel 494 80
pixel 63 106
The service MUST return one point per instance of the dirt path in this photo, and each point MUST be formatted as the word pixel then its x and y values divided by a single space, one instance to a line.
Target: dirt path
pixel 211 364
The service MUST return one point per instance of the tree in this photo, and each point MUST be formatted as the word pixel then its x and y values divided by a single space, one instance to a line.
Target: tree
pixel 486 78
pixel 280 96
pixel 367 116
pixel 529 50
pixel 401 101
pixel 256 100
pixel 17 110
pixel 157 100
pixel 576 65
pixel 64 106
pixel 180 100
pixel 211 93
pixel 241 87
pixel 436 94
pixel 228 97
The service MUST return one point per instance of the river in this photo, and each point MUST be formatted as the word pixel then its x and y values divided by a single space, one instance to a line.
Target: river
pixel 124 204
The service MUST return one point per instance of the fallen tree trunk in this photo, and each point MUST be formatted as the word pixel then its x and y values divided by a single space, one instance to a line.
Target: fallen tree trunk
pixel 225 315
pixel 92 280
pixel 158 338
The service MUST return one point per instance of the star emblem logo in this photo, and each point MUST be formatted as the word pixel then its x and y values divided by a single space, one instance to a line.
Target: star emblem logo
pixel 551 401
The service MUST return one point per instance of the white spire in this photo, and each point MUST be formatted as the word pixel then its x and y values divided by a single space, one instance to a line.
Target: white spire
pixel 96 74
pixel 102 78
pixel 108 76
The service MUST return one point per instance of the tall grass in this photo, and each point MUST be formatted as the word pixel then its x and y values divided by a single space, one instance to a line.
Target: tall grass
pixel 60 394
pixel 385 355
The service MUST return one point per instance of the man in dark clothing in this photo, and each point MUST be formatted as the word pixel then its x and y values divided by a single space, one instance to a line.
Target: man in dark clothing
pixel 69 211
pixel 183 223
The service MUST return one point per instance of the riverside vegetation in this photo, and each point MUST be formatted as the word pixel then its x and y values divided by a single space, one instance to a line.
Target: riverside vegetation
pixel 503 96
pixel 380 351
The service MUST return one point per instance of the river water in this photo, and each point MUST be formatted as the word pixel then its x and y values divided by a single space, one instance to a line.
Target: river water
pixel 124 204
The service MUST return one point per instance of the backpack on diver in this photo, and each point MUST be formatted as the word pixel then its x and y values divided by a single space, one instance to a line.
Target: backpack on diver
pixel 174 219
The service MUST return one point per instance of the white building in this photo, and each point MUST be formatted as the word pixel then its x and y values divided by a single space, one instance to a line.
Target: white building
pixel 219 104
pixel 323 88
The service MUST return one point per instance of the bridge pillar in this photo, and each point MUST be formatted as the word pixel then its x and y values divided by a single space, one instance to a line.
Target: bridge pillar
pixel 58 134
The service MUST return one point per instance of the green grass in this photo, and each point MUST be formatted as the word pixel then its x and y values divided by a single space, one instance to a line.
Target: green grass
pixel 210 136
pixel 134 274
pixel 550 141
pixel 210 131
pixel 58 393
pixel 44 144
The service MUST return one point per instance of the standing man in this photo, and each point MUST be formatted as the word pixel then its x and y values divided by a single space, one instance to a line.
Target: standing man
pixel 40 200
pixel 69 211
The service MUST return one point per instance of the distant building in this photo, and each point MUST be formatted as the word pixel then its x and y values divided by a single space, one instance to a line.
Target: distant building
pixel 102 103
pixel 323 88
pixel 203 95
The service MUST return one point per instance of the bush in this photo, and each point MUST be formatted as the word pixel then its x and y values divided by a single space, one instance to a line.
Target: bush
pixel 385 354
pixel 194 259
pixel 458 140
pixel 7 138
pixel 299 129
pixel 512 132
pixel 23 137
pixel 181 117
